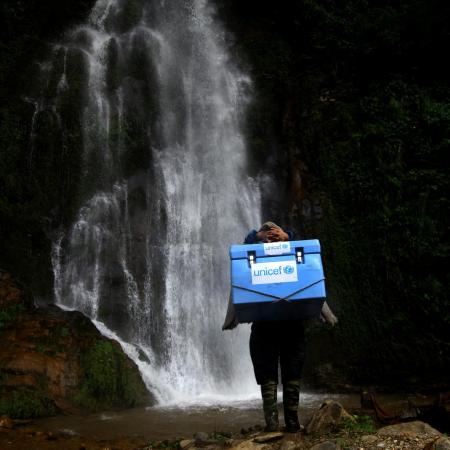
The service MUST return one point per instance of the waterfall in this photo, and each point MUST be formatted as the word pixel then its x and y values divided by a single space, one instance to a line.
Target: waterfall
pixel 148 107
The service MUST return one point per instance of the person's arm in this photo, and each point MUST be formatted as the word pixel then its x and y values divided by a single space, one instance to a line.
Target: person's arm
pixel 251 238
pixel 327 315
pixel 291 235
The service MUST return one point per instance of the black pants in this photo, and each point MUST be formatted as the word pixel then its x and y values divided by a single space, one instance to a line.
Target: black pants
pixel 275 341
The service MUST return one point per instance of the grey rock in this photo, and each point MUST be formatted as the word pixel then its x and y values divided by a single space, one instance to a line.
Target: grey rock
pixel 201 437
pixel 369 439
pixel 327 445
pixel 409 428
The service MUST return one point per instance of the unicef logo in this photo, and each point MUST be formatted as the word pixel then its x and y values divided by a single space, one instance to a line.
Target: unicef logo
pixel 288 270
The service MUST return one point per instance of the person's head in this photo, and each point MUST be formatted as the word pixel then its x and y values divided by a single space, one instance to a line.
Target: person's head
pixel 266 226
pixel 271 232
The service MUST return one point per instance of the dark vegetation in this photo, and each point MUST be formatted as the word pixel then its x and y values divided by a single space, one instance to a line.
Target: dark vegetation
pixel 351 113
pixel 25 403
pixel 32 198
pixel 108 381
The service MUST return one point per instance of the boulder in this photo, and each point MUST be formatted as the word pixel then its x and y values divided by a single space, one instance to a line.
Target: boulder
pixel 57 361
pixel 328 418
pixel 369 439
pixel 409 429
pixel 327 445
pixel 441 443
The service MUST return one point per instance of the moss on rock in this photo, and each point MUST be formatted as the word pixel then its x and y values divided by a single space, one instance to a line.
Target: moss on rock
pixel 108 380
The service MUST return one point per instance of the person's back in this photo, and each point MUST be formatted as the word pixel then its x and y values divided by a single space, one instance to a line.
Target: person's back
pixel 273 342
pixel 277 341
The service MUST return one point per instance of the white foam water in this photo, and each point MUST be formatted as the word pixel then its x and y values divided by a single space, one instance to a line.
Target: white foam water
pixel 146 257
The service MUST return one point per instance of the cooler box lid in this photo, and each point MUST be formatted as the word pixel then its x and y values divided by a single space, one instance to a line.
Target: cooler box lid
pixel 274 249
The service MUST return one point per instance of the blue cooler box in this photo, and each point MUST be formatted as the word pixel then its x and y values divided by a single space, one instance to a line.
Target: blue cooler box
pixel 277 281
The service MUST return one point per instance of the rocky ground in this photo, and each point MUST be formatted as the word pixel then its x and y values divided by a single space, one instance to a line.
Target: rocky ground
pixel 330 428
pixel 53 361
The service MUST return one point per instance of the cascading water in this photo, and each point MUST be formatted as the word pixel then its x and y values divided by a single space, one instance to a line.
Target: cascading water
pixel 147 97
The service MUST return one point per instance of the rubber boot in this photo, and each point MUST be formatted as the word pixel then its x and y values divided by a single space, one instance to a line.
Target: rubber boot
pixel 269 398
pixel 291 393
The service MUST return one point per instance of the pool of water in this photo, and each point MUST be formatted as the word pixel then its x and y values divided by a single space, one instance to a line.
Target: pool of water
pixel 170 422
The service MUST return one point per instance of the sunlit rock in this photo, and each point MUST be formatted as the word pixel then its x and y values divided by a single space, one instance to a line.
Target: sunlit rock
pixel 409 428
pixel 328 418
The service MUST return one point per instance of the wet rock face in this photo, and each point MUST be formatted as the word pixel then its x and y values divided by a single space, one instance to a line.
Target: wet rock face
pixel 52 360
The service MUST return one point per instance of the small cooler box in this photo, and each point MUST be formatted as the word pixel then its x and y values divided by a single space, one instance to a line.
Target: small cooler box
pixel 277 281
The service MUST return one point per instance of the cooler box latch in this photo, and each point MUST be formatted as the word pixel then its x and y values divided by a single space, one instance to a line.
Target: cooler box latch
pixel 251 258
pixel 299 254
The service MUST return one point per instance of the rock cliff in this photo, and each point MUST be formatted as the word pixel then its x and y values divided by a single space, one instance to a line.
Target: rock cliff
pixel 57 361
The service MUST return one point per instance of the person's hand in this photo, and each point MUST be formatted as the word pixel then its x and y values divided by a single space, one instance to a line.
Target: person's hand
pixel 277 235
pixel 272 235
pixel 327 315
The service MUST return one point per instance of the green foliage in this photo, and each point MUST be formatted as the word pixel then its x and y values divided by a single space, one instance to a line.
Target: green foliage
pixel 108 379
pixel 9 314
pixel 32 198
pixel 384 234
pixel 25 403
pixel 360 424
pixel 357 92
pixel 101 378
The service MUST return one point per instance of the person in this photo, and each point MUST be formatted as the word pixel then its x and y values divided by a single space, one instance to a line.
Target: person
pixel 276 341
